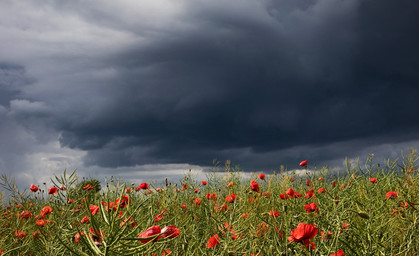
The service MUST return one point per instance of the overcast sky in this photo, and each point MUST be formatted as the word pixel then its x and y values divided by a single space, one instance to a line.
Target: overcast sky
pixel 149 89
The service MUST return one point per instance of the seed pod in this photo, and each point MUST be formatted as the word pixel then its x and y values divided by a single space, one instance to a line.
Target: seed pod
pixel 364 215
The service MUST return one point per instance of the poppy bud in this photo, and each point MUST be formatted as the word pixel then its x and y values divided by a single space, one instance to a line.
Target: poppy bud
pixel 364 215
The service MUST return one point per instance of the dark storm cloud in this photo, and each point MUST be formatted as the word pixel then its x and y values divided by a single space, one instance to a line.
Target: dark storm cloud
pixel 286 75
pixel 12 78
pixel 260 82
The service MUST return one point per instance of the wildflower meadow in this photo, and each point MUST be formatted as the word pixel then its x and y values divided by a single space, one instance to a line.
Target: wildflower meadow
pixel 367 209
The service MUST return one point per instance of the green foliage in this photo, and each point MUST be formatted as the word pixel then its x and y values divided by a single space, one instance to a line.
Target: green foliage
pixel 374 225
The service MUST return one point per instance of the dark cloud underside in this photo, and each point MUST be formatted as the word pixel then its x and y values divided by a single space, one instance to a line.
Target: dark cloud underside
pixel 241 83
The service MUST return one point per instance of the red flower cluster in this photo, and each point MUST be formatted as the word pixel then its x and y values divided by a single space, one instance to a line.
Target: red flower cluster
pixel 290 193
pixel 212 196
pixel 25 215
pixel 391 194
pixel 231 198
pixel 311 207
pixel 338 253
pixel 197 201
pixel 309 193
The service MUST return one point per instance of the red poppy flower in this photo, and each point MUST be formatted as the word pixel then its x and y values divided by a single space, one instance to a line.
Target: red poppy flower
pixel 129 220
pixel 166 252
pixel 267 194
pixel 36 235
pixel 184 206
pixel 160 215
pixel 321 179
pixel 45 211
pixel 309 183
pixel 204 183
pixel 296 195
pixel 41 223
pixel 169 232
pixel 373 180
pixel 283 196
pixel 96 236
pixel 88 187
pixel 311 207
pixel 345 225
pixel 391 194
pixel 274 213
pixel 262 176
pixel 303 163
pixel 63 188
pixel 184 186
pixel 212 196
pixel 222 207
pixel 327 236
pixel 404 205
pixel 338 253
pixel 321 190
pixel 77 237
pixel 229 228
pixel 53 191
pixel 85 219
pixel 262 229
pixel 290 192
pixel 94 209
pixel 20 234
pixel 333 183
pixel 231 198
pixel 309 194
pixel 123 202
pixel 150 233
pixel 252 200
pixel 25 215
pixel 230 184
pixel 197 201
pixel 213 241
pixel 255 186
pixel 144 185
pixel 303 233
pixel 128 190
pixel 33 188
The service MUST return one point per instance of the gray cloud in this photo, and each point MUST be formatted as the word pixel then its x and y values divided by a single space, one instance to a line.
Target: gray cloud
pixel 163 82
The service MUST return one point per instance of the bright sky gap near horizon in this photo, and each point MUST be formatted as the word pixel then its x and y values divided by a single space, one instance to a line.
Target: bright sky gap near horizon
pixel 149 89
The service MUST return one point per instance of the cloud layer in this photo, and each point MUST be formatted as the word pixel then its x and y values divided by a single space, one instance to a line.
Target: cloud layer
pixel 131 83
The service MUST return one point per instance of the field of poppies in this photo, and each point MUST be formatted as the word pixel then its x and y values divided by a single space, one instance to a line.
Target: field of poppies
pixel 371 209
